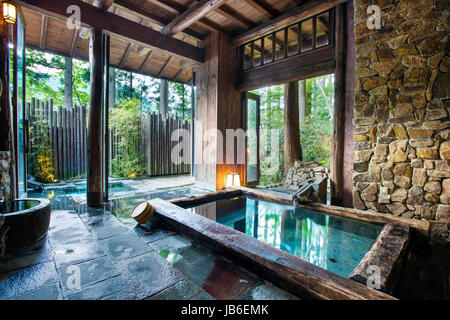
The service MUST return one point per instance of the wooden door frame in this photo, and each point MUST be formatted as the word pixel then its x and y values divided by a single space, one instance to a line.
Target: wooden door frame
pixel 251 96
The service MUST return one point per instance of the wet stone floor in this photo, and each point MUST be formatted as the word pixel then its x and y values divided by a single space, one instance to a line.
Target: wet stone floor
pixel 102 254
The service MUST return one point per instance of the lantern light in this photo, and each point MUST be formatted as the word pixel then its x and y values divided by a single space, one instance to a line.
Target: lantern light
pixel 9 12
pixel 233 180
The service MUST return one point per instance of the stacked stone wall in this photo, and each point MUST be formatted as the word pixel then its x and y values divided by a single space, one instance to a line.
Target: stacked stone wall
pixel 401 113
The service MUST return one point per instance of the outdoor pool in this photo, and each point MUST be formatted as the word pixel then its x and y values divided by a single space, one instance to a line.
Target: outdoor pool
pixel 336 244
pixel 78 188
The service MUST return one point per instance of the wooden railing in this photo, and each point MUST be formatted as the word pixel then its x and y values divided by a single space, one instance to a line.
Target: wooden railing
pixel 64 131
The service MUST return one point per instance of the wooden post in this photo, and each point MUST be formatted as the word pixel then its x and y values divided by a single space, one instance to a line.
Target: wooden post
pixel 68 94
pixel 163 102
pixel 292 147
pixel 337 143
pixel 94 142
pixel 302 100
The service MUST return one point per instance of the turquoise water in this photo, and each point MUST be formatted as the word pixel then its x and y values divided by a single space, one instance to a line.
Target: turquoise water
pixel 79 188
pixel 330 242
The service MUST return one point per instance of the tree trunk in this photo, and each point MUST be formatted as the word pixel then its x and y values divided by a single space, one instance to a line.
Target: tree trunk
pixel 68 84
pixel 163 98
pixel 302 100
pixel 292 147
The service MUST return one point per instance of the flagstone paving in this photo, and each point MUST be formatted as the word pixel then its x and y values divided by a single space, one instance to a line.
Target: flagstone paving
pixel 92 254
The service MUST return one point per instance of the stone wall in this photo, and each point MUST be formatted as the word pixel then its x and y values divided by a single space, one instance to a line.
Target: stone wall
pixel 301 171
pixel 5 186
pixel 401 113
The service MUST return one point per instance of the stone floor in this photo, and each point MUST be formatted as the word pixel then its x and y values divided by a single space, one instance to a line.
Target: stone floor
pixel 103 254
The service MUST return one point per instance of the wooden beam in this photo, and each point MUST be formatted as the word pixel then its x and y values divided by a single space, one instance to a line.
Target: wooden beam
pixel 126 54
pixel 337 139
pixel 75 39
pixel 162 21
pixel 304 11
pixel 43 37
pixel 262 7
pixel 147 59
pixel 235 16
pixel 165 66
pixel 98 18
pixel 191 15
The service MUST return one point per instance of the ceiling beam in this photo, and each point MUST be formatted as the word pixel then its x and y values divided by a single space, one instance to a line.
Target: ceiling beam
pixel 177 8
pixel 232 15
pixel 75 39
pixel 191 15
pixel 119 26
pixel 147 59
pixel 165 66
pixel 162 21
pixel 262 7
pixel 304 11
pixel 126 55
pixel 43 37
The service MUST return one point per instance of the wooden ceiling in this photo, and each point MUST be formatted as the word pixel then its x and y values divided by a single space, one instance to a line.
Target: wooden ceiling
pixel 186 20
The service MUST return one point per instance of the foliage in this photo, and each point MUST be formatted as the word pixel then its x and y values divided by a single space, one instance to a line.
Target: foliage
pixel 179 100
pixel 315 132
pixel 41 155
pixel 125 120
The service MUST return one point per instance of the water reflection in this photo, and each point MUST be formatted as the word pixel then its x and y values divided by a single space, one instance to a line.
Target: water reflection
pixel 333 243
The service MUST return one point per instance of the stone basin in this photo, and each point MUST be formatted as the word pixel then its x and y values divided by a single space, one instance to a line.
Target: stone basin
pixel 22 223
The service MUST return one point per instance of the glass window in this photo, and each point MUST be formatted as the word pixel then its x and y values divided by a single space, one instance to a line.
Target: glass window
pixel 246 59
pixel 307 31
pixel 268 53
pixel 322 30
pixel 279 45
pixel 257 53
pixel 292 36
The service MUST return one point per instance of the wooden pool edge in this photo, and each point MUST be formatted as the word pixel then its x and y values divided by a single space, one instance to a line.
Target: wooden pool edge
pixel 290 273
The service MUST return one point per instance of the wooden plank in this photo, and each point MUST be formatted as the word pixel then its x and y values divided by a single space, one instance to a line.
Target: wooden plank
pixel 43 36
pixel 235 16
pixel 164 67
pixel 263 7
pixel 122 27
pixel 191 15
pixel 337 138
pixel 304 11
pixel 76 38
pixel 162 21
pixel 388 253
pixel 287 271
pixel 299 67
pixel 422 226
pixel 126 54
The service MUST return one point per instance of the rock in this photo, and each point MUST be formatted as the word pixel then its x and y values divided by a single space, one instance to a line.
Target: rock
pixel 402 181
pixel 402 169
pixel 443 212
pixel 360 166
pixel 363 155
pixel 419 177
pixel 399 195
pixel 368 197
pixel 444 150
pixel 428 142
pixel 400 131
pixel 445 196
pixel 415 196
pixel 427 153
pixel 433 187
pixel 387 175
pixel 408 214
pixel 415 133
pixel 431 197
pixel 396 208
pixel 428 164
pixel 357 202
pixel 426 210
pixel 417 163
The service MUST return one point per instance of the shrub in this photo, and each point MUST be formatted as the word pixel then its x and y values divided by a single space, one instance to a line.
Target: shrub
pixel 125 120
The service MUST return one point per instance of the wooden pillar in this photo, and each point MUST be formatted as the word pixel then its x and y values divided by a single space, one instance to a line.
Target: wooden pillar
pixel 218 107
pixel 94 143
pixel 337 143
pixel 164 98
pixel 5 110
pixel 68 84
pixel 292 147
